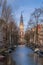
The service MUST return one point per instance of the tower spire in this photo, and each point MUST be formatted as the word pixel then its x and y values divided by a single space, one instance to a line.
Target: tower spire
pixel 21 18
pixel 21 30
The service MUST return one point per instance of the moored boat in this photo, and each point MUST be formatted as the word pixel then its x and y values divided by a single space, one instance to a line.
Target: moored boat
pixel 40 53
pixel 36 50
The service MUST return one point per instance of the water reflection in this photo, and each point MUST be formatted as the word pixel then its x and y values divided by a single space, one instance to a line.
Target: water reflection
pixel 25 56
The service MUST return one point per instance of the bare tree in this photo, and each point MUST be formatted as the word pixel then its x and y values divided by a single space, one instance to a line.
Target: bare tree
pixel 8 13
pixel 11 29
pixel 27 36
pixel 13 33
pixel 0 2
pixel 6 10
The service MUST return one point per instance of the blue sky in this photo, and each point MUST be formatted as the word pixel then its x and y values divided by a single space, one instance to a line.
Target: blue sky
pixel 24 6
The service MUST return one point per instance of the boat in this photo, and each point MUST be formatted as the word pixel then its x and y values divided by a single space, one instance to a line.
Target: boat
pixel 40 53
pixel 36 50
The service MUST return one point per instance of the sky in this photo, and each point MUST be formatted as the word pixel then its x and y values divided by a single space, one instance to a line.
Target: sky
pixel 26 7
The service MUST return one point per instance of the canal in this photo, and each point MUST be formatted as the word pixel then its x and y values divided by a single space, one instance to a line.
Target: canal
pixel 25 56
pixel 22 55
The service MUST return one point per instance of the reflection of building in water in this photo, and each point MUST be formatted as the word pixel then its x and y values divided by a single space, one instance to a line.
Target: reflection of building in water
pixel 21 30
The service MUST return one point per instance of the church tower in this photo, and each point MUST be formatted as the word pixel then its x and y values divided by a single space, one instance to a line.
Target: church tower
pixel 21 30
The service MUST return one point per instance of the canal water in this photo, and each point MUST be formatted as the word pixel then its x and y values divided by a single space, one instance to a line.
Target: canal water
pixel 25 56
